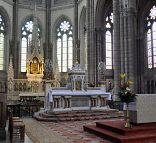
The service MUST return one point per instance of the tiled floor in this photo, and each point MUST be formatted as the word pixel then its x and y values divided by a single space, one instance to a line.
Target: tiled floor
pixel 62 132
pixel 73 131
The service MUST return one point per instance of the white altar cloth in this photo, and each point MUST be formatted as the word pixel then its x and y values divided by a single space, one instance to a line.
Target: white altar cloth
pixel 79 93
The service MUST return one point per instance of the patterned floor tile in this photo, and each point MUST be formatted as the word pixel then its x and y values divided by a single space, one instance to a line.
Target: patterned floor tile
pixel 73 131
pixel 63 132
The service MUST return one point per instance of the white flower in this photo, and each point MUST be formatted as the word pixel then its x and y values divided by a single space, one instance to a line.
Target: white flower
pixel 128 89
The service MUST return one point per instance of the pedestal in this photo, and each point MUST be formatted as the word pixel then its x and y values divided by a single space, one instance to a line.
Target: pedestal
pixel 143 109
pixel 47 89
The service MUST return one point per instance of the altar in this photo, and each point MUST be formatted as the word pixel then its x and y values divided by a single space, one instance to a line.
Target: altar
pixel 76 95
pixel 143 110
pixel 78 100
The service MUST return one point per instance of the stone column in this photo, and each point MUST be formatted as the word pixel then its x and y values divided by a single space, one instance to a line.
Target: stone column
pixel 48 46
pixel 74 84
pixel 91 44
pixel 127 39
pixel 131 42
pixel 141 82
pixel 116 45
pixel 99 52
pixel 15 47
pixel 122 31
pixel 76 40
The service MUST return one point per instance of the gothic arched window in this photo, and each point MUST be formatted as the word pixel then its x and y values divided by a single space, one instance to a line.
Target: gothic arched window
pixel 26 40
pixel 64 46
pixel 151 38
pixel 109 40
pixel 2 37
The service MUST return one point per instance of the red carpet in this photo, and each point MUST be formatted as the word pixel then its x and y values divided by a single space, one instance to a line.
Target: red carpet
pixel 117 133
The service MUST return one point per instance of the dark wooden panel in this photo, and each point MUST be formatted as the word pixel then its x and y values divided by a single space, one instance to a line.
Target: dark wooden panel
pixel 3 98
pixel 1 107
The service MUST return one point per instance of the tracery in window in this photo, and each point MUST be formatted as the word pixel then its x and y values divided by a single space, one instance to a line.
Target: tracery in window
pixel 64 46
pixel 2 37
pixel 108 40
pixel 151 38
pixel 26 40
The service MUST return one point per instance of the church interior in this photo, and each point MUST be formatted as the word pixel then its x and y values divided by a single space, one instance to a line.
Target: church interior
pixel 61 64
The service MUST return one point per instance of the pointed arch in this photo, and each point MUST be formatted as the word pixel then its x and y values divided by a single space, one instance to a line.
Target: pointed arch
pixel 6 20
pixel 58 20
pixel 151 38
pixel 145 48
pixel 4 37
pixel 26 38
pixel 28 18
pixel 102 9
pixel 103 12
pixel 63 32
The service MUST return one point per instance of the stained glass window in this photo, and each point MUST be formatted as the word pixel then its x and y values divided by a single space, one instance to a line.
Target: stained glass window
pixel 108 40
pixel 2 37
pixel 26 40
pixel 64 46
pixel 151 38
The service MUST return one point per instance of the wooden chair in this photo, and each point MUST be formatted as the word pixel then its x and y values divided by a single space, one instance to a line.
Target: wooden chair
pixel 16 128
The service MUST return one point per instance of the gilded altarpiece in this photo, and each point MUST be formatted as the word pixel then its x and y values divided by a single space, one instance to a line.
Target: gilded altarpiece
pixel 35 74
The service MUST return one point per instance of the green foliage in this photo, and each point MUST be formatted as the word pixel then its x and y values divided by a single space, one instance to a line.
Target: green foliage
pixel 125 94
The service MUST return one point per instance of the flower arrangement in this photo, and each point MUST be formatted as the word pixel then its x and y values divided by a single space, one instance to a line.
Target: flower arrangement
pixel 125 94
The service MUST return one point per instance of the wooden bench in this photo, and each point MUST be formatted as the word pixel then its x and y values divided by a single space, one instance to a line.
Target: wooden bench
pixel 16 128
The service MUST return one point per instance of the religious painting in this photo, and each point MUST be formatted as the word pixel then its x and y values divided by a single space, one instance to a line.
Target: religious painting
pixel 34 68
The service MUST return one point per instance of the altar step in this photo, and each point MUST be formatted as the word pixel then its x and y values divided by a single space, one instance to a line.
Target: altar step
pixel 58 116
pixel 115 132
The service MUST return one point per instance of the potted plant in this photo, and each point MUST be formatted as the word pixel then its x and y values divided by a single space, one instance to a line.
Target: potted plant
pixel 126 95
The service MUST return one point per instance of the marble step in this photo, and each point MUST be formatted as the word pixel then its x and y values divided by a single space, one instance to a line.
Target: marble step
pixel 77 116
